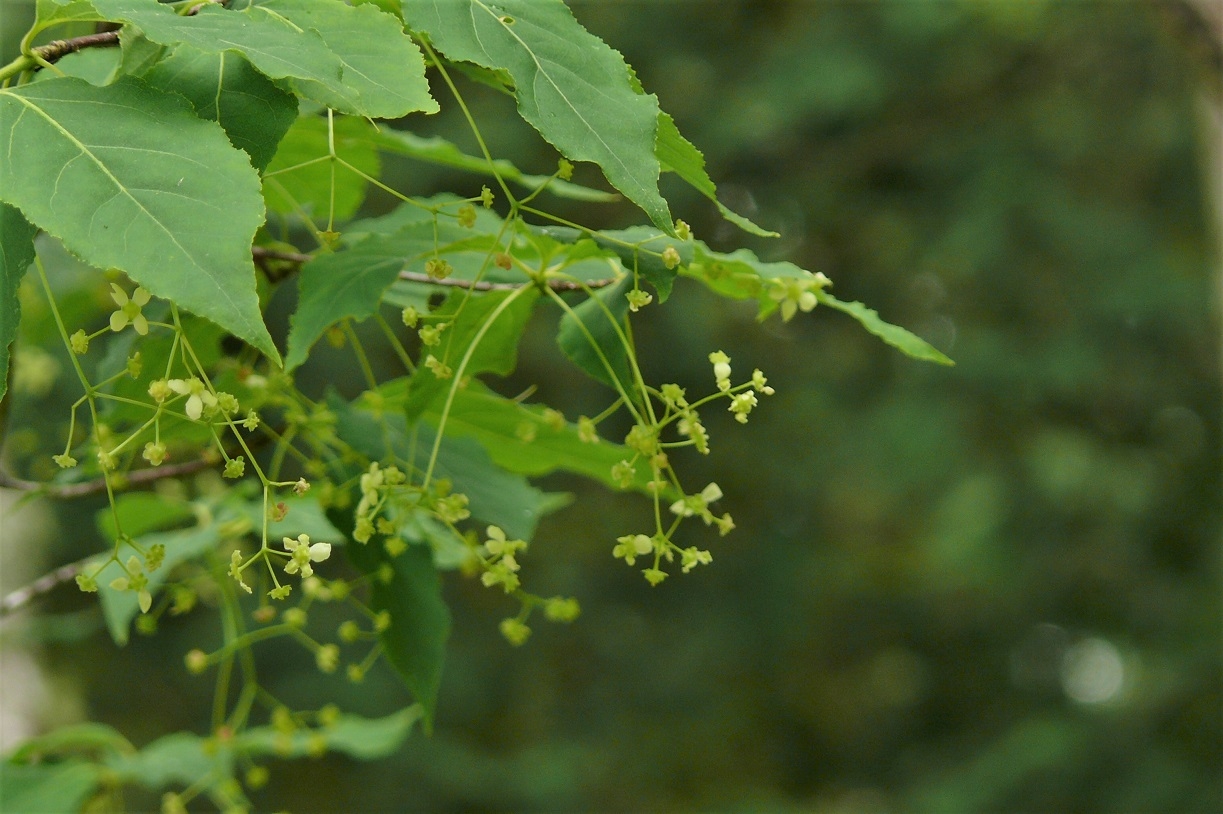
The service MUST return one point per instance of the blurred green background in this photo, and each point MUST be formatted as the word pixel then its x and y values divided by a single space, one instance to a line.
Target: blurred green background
pixel 994 587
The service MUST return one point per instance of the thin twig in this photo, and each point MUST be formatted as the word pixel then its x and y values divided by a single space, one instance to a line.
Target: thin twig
pixel 89 487
pixel 44 584
pixel 264 253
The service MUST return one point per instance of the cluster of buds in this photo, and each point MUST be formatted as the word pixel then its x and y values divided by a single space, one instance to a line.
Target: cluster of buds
pixel 794 294
pixel 689 423
pixel 201 401
pixel 698 506
pixel 376 484
pixel 501 567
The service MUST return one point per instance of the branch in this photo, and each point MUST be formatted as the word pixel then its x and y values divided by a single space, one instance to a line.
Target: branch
pixel 44 584
pixel 263 253
pixel 58 49
pixel 89 487
pixel 53 51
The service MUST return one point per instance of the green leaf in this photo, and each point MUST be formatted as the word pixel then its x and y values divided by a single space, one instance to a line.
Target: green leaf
pixel 142 512
pixel 16 255
pixel 291 189
pixel 353 59
pixel 226 89
pixel 303 515
pixel 59 788
pixel 679 155
pixel 741 275
pixel 138 53
pixel 899 338
pixel 349 284
pixel 496 496
pixel 588 336
pixel 436 150
pixel 639 248
pixel 415 642
pixel 180 758
pixel 382 70
pixel 128 177
pixel 495 320
pixel 84 738
pixel 120 607
pixel 570 85
pixel 57 12
pixel 352 735
pixel 95 65
pixel 519 437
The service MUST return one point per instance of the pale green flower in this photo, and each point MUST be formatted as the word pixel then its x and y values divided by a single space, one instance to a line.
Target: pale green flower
pixel 129 309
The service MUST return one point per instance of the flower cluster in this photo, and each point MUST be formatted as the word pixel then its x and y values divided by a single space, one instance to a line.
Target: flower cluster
pixel 794 294
pixel 376 484
pixel 501 567
pixel 302 553
pixel 136 580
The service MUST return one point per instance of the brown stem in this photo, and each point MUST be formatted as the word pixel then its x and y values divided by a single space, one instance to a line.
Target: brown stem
pixel 44 584
pixel 58 49
pixel 90 487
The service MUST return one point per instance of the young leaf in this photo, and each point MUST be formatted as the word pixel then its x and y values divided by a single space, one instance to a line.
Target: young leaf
pixel 226 89
pixel 899 338
pixel 680 156
pixel 354 59
pixel 570 85
pixel 290 188
pixel 16 255
pixel 128 177
pixel 589 338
